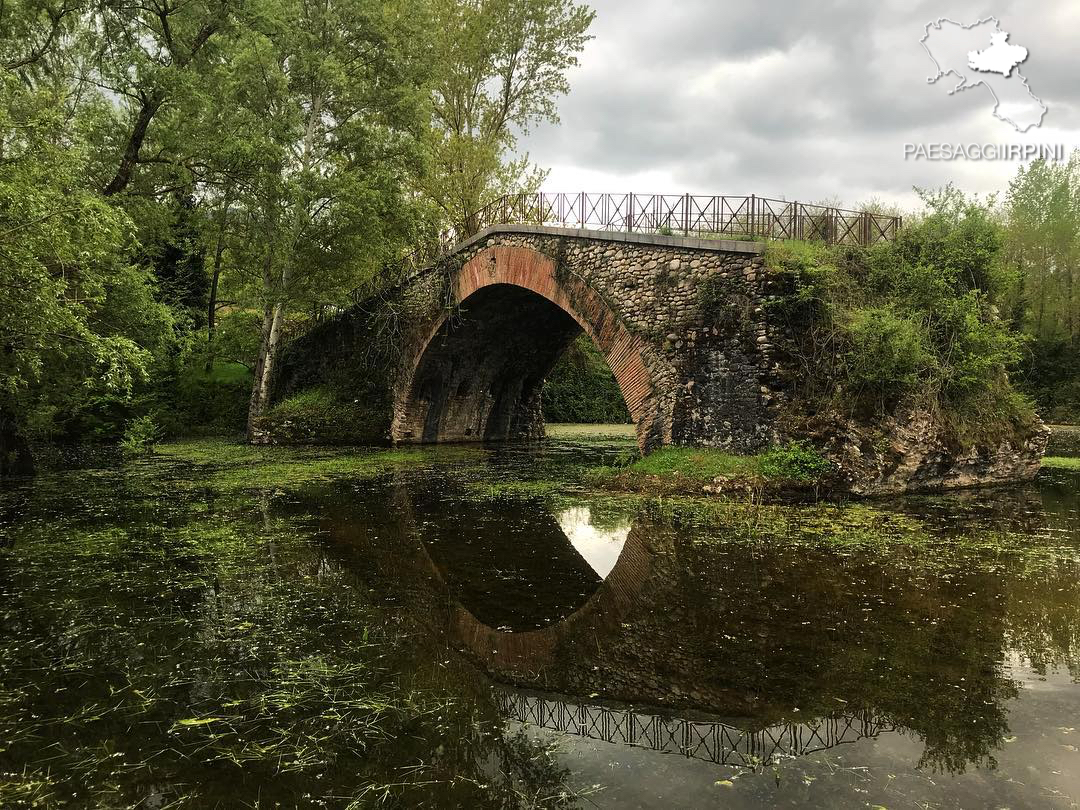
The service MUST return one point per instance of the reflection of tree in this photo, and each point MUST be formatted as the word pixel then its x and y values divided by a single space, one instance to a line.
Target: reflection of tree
pixel 758 629
pixel 530 773
pixel 1029 534
pixel 1044 615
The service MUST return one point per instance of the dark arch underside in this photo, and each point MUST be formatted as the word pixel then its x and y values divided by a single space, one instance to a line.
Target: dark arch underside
pixel 481 376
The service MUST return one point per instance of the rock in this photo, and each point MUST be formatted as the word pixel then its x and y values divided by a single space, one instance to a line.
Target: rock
pixel 910 452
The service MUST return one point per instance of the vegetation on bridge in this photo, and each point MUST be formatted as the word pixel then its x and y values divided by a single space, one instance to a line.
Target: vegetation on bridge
pixel 911 324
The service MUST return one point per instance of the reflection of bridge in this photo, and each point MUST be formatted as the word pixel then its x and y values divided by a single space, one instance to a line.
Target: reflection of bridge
pixel 711 741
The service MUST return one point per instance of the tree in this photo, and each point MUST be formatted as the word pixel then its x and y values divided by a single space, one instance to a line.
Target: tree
pixel 1043 245
pixel 501 64
pixel 80 320
pixel 324 107
pixel 149 56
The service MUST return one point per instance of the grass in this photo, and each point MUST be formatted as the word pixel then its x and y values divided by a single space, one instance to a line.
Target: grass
pixel 1064 440
pixel 696 463
pixel 691 469
pixel 1062 462
pixel 236 466
pixel 224 372
pixel 571 430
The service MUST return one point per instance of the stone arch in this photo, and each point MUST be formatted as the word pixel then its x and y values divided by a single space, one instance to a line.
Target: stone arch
pixel 477 374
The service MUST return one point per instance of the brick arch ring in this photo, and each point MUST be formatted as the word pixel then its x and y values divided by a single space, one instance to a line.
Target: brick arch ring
pixel 534 271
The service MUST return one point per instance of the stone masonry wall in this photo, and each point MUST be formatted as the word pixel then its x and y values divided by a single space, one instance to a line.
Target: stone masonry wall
pixel 694 308
pixel 681 321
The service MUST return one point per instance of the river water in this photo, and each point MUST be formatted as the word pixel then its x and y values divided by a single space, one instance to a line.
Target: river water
pixel 218 626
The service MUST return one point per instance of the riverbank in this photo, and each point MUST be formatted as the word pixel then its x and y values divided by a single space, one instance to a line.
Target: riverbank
pixel 705 471
pixel 1064 441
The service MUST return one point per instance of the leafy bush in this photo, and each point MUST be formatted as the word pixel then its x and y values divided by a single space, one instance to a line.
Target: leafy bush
pixel 795 461
pixel 886 352
pixel 140 435
pixel 910 322
pixel 1051 375
pixel 582 388
pixel 319 415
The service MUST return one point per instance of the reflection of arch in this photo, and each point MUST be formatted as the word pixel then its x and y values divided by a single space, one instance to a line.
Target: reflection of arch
pixel 479 375
pixel 525 652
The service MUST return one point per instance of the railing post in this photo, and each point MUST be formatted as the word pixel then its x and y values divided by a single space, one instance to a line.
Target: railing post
pixel 753 215
pixel 581 210
pixel 630 213
pixel 686 214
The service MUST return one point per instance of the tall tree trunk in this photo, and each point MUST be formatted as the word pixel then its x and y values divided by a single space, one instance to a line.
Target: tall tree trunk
pixel 275 290
pixel 211 306
pixel 1040 311
pixel 1070 307
pixel 264 370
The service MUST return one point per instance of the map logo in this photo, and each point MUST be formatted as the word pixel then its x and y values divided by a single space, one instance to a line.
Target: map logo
pixel 980 55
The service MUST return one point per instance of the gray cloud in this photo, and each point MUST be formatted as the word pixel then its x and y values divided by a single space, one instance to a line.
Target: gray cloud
pixel 791 99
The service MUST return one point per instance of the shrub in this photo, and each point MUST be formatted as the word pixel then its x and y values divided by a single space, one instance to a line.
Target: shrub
pixel 910 322
pixel 319 415
pixel 795 461
pixel 582 388
pixel 886 352
pixel 140 435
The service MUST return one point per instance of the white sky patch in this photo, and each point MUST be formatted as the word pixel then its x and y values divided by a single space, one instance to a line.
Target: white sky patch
pixel 600 547
pixel 570 179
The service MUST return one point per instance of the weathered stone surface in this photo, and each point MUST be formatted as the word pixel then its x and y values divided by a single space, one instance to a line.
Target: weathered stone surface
pixel 909 453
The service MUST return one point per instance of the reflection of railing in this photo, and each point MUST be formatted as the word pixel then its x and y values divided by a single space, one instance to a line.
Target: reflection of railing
pixel 708 216
pixel 696 739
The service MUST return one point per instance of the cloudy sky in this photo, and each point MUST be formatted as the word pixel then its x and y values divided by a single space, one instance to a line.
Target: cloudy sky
pixel 798 100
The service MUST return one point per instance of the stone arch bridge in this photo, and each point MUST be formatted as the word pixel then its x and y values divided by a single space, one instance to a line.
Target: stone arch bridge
pixel 463 347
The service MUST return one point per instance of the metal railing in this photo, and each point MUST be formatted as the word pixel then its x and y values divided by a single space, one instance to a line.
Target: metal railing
pixel 706 216
pixel 702 216
pixel 711 741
